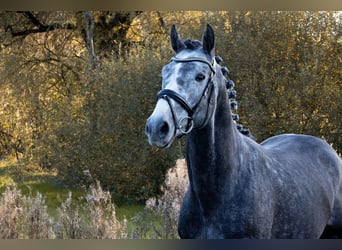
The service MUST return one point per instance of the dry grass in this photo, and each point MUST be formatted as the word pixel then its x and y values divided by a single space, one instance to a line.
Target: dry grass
pixel 23 217
pixel 26 217
pixel 176 183
pixel 93 215
pixel 165 208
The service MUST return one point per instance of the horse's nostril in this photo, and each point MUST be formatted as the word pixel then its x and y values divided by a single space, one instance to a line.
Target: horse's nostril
pixel 147 129
pixel 164 128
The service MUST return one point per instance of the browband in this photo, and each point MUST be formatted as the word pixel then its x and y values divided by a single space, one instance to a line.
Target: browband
pixel 194 59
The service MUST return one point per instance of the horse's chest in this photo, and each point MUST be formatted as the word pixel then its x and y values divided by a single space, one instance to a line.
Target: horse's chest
pixel 238 217
pixel 232 225
pixel 244 221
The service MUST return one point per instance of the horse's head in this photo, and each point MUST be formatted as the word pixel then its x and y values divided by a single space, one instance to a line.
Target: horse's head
pixel 185 101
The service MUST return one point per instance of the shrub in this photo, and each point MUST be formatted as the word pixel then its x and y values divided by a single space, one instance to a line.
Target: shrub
pixel 103 130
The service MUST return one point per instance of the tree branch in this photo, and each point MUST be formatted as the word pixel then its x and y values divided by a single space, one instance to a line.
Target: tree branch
pixel 89 30
pixel 40 28
pixel 33 19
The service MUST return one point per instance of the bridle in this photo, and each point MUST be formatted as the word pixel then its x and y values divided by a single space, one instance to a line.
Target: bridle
pixel 168 94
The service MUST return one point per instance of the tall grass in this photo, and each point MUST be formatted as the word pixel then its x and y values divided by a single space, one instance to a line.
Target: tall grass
pixel 92 215
pixel 165 209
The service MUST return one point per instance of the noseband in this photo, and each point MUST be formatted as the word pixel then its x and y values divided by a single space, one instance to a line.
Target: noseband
pixel 168 94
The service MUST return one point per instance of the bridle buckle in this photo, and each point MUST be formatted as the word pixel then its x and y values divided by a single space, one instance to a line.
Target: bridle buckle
pixel 185 129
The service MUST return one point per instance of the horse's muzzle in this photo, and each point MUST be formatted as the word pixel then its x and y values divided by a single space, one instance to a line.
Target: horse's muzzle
pixel 160 128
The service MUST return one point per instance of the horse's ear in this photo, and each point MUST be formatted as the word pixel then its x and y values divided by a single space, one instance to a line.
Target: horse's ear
pixel 208 40
pixel 176 42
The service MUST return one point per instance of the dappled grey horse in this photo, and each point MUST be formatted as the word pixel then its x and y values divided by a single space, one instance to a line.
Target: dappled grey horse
pixel 289 186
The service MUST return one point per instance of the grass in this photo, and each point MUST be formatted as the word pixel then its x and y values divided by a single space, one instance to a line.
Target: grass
pixel 128 211
pixel 35 204
pixel 32 179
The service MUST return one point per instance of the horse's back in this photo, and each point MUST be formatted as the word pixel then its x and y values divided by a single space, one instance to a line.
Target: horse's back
pixel 306 152
pixel 304 148
pixel 320 166
pixel 296 142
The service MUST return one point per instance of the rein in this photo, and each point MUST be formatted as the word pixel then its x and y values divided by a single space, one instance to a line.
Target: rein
pixel 168 94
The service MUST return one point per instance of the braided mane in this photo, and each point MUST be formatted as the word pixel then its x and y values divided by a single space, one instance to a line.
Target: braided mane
pixel 232 98
pixel 192 44
pixel 195 44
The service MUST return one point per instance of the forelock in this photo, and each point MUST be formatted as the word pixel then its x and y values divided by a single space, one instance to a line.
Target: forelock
pixel 192 44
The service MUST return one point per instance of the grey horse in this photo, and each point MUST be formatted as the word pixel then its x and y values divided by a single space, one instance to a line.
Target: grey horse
pixel 288 186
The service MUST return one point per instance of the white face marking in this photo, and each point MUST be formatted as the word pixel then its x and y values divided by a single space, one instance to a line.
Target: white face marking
pixel 171 81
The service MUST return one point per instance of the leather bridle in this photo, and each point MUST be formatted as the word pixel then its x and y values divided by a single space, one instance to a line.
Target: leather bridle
pixel 168 94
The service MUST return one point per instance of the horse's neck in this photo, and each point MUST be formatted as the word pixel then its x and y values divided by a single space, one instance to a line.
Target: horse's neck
pixel 219 138
pixel 213 152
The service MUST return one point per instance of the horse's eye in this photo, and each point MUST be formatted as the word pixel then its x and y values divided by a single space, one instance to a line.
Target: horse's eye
pixel 200 77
